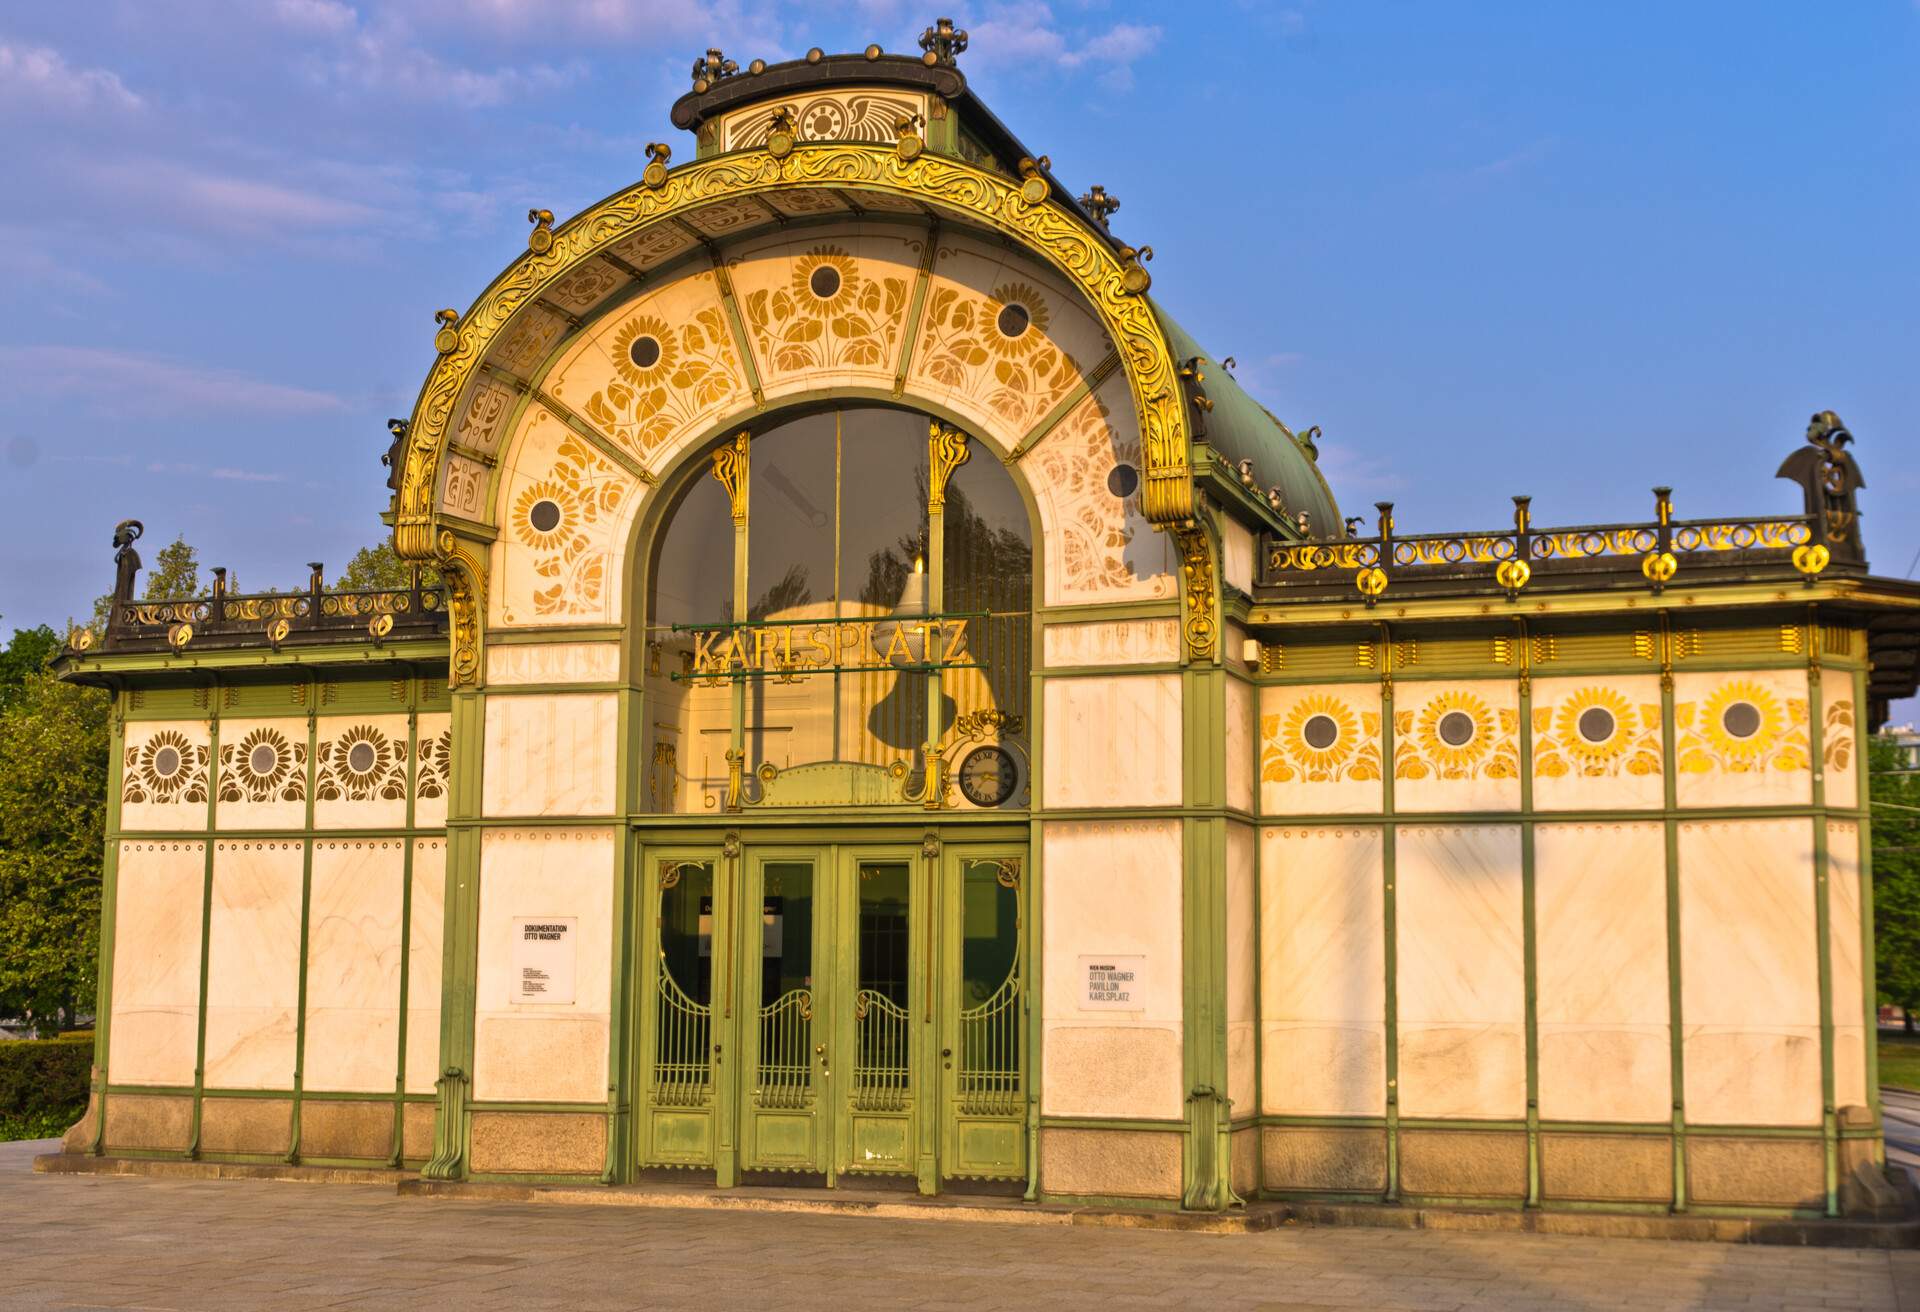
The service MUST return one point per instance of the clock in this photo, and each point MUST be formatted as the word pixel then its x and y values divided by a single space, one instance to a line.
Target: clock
pixel 988 776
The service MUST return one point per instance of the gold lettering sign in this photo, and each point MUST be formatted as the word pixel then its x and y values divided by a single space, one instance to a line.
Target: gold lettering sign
pixel 787 650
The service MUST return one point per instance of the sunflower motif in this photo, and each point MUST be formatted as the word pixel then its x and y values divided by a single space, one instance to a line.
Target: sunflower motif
pixel 1019 318
pixel 1321 734
pixel 166 768
pixel 534 515
pixel 1455 730
pixel 1743 720
pixel 436 762
pixel 644 352
pixel 1595 725
pixel 827 279
pixel 260 767
pixel 361 763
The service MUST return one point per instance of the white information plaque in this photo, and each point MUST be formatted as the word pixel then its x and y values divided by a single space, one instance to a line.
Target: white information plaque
pixel 1114 983
pixel 543 952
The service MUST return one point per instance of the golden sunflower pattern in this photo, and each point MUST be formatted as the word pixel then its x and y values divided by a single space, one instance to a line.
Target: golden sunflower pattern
pixel 1741 727
pixel 1093 528
pixel 168 767
pixel 359 765
pixel 668 377
pixel 1456 735
pixel 1597 732
pixel 558 516
pixel 830 315
pixel 995 348
pixel 1836 735
pixel 1320 739
pixel 436 765
pixel 263 766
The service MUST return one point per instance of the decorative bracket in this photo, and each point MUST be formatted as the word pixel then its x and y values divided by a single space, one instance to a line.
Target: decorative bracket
pixel 947 450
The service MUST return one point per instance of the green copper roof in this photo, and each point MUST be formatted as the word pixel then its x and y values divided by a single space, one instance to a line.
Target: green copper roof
pixel 1239 428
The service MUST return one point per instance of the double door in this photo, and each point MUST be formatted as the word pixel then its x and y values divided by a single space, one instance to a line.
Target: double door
pixel 836 1010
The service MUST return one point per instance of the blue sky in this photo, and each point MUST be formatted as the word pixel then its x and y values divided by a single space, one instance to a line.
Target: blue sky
pixel 1571 250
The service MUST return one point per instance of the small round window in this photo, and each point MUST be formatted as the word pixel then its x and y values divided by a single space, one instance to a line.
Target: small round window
pixel 1741 720
pixel 1123 480
pixel 645 352
pixel 360 757
pixel 263 759
pixel 1321 732
pixel 1596 724
pixel 544 516
pixel 1014 320
pixel 824 281
pixel 166 762
pixel 1456 728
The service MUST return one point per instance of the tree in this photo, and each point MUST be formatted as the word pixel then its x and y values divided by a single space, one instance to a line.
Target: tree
pixel 53 787
pixel 1896 877
pixel 173 573
pixel 29 653
pixel 380 566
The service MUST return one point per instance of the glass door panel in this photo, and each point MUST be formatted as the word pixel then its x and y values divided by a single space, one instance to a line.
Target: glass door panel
pixel 984 1017
pixel 788 1056
pixel 683 1050
pixel 880 1096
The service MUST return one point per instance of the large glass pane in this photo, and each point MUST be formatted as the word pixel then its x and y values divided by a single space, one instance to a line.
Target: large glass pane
pixel 682 1074
pixel 791 578
pixel 881 1007
pixel 883 715
pixel 786 984
pixel 989 568
pixel 990 987
pixel 688 724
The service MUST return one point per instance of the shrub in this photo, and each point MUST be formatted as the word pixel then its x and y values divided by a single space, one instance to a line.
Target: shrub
pixel 43 1085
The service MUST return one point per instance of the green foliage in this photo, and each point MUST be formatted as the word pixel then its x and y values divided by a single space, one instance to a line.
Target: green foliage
pixel 380 566
pixel 174 572
pixel 1896 877
pixel 53 789
pixel 43 1085
pixel 29 653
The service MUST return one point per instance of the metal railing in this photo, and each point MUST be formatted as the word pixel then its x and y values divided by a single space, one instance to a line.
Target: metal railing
pixel 785 1066
pixel 880 1053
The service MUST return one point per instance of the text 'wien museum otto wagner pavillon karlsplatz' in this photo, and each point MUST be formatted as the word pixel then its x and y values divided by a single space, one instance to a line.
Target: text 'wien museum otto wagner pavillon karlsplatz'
pixel 883 706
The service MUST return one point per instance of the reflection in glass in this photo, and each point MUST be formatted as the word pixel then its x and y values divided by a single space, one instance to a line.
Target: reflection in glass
pixel 682 1075
pixel 785 1071
pixel 880 1007
pixel 989 1067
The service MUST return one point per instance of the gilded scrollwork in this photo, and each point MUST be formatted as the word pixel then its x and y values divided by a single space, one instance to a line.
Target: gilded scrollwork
pixel 1200 628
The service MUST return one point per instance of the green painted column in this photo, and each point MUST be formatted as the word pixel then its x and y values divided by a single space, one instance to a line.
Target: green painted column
pixel 100 1077
pixel 460 951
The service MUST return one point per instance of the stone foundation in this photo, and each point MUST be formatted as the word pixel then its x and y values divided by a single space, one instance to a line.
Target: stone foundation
pixel 538 1143
pixel 1111 1163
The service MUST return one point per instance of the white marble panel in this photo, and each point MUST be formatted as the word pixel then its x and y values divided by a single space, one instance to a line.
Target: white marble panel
pixel 1113 741
pixel 1433 773
pixel 1243 965
pixel 553 662
pixel 1749 973
pixel 253 964
pixel 550 754
pixel 432 770
pixel 1239 742
pixel 1715 767
pixel 1112 888
pixel 1299 775
pixel 554 1052
pixel 262 780
pixel 158 887
pixel 353 964
pixel 1600 909
pixel 1323 997
pixel 1624 770
pixel 1843 955
pixel 1236 555
pixel 1840 738
pixel 360 772
pixel 1113 642
pixel 165 775
pixel 1461 985
pixel 425 932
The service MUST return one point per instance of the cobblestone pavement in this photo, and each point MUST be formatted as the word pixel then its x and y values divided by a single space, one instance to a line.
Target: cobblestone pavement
pixel 120 1242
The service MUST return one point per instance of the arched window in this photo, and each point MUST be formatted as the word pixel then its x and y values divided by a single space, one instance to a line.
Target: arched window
pixel 802 618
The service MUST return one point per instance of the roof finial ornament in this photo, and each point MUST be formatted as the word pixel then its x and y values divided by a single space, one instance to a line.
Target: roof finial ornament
pixel 782 133
pixel 1306 438
pixel 941 42
pixel 711 69
pixel 396 452
pixel 126 561
pixel 447 339
pixel 1828 478
pixel 659 155
pixel 1034 186
pixel 540 240
pixel 1100 206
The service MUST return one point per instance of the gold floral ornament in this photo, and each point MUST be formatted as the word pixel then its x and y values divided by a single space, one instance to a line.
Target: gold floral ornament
pixel 558 517
pixel 436 765
pixel 669 375
pixel 264 766
pixel 1320 739
pixel 1596 732
pixel 166 768
pixel 362 764
pixel 996 350
pixel 829 315
pixel 1742 727
pixel 1456 735
pixel 1836 735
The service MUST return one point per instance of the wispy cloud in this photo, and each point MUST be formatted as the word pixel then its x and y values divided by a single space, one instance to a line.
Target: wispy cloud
pixel 1519 159
pixel 41 77
pixel 124 384
pixel 1026 34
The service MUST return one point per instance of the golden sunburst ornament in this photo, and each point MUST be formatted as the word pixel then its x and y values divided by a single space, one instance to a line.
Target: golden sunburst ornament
pixel 827 279
pixel 263 760
pixel 1321 734
pixel 541 515
pixel 1455 730
pixel 1743 719
pixel 643 351
pixel 1595 724
pixel 1020 318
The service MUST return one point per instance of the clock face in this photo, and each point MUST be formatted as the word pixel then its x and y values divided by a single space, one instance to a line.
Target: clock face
pixel 988 775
